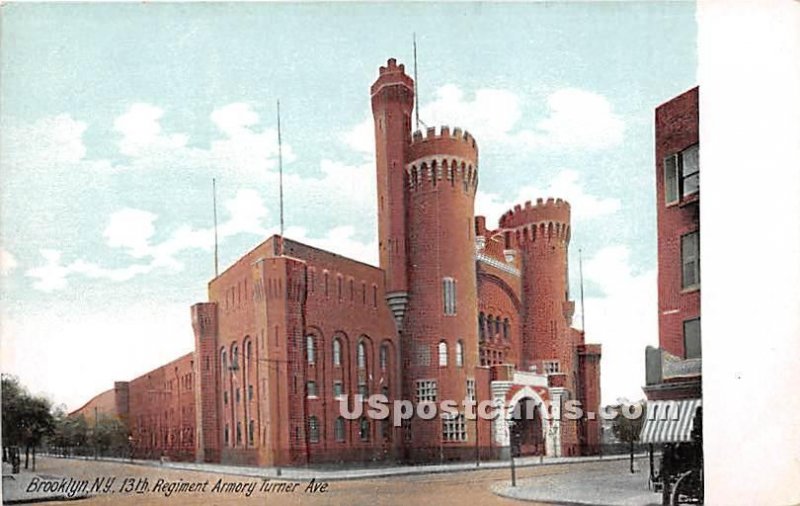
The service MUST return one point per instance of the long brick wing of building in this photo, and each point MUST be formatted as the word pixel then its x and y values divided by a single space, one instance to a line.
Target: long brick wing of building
pixel 455 311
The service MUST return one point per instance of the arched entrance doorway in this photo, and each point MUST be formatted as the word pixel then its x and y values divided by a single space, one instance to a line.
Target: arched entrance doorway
pixel 526 432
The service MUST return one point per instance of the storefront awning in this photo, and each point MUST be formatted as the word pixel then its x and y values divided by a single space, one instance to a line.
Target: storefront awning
pixel 669 421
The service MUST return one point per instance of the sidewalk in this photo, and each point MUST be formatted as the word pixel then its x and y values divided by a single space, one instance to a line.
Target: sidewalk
pixel 15 488
pixel 610 485
pixel 338 473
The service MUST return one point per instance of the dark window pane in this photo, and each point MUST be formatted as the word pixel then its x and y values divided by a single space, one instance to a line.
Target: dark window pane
pixel 670 179
pixel 690 161
pixel 691 338
pixel 691 185
pixel 690 260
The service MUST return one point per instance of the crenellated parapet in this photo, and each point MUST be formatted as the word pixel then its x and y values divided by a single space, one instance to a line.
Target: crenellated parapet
pixel 443 157
pixel 546 220
pixel 392 74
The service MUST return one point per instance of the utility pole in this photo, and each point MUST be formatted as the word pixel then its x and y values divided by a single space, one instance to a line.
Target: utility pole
pixel 216 243
pixel 511 450
pixel 95 433
pixel 416 84
pixel 280 175
pixel 580 271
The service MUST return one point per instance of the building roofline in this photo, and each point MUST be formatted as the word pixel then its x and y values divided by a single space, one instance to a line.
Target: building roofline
pixel 695 89
pixel 275 237
pixel 97 396
pixel 182 357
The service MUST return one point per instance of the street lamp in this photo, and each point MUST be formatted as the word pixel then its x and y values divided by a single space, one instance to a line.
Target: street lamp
pixel 512 447
pixel 130 446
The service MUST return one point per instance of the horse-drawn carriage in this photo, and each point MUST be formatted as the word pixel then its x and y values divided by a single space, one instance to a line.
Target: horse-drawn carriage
pixel 680 437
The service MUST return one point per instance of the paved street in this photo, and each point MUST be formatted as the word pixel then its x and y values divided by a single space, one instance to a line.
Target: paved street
pixel 473 487
pixel 603 484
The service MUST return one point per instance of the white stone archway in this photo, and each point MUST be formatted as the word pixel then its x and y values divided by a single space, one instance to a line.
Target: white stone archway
pixel 548 428
pixel 551 433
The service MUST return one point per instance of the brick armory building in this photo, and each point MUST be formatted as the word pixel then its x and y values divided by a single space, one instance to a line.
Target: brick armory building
pixel 456 310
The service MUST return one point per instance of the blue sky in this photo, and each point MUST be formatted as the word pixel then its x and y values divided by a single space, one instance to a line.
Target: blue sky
pixel 115 117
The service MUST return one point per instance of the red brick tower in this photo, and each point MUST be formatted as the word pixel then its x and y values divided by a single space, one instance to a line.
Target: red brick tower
pixel 207 441
pixel 392 103
pixel 440 332
pixel 542 232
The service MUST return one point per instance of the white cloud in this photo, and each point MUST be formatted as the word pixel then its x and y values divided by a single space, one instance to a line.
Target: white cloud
pixel 52 275
pixel 566 185
pixel 49 141
pixel 576 119
pixel 247 213
pixel 7 262
pixel 130 229
pixel 234 118
pixel 339 240
pixel 490 115
pixel 624 319
pixel 242 149
pixel 133 229
pixel 361 138
pixel 141 131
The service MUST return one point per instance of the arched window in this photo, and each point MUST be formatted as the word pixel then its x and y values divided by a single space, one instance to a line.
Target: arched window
pixel 313 429
pixel 506 329
pixel 363 429
pixel 248 350
pixel 497 324
pixel 362 355
pixel 449 295
pixel 338 429
pixel 310 349
pixel 384 357
pixel 442 354
pixel 235 356
pixel 337 352
pixel 460 353
pixel 481 326
pixel 224 360
pixel 490 326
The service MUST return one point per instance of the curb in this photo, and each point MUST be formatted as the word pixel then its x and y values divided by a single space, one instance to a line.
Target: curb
pixel 307 474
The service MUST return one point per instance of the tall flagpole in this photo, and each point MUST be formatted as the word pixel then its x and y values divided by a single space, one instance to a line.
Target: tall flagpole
pixel 280 175
pixel 416 83
pixel 216 242
pixel 580 268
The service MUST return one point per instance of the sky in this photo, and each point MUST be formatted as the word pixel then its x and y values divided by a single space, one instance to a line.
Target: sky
pixel 114 119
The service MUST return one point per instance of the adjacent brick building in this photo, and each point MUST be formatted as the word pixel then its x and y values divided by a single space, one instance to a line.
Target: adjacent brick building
pixel 455 311
pixel 674 368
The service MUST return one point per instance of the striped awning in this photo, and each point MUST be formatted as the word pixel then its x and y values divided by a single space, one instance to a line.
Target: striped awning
pixel 669 421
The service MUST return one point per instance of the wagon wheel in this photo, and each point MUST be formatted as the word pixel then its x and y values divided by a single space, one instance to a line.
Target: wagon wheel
pixel 688 489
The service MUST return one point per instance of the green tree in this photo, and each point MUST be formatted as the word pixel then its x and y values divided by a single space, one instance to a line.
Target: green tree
pixel 12 399
pixel 70 433
pixel 27 419
pixel 627 429
pixel 110 436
